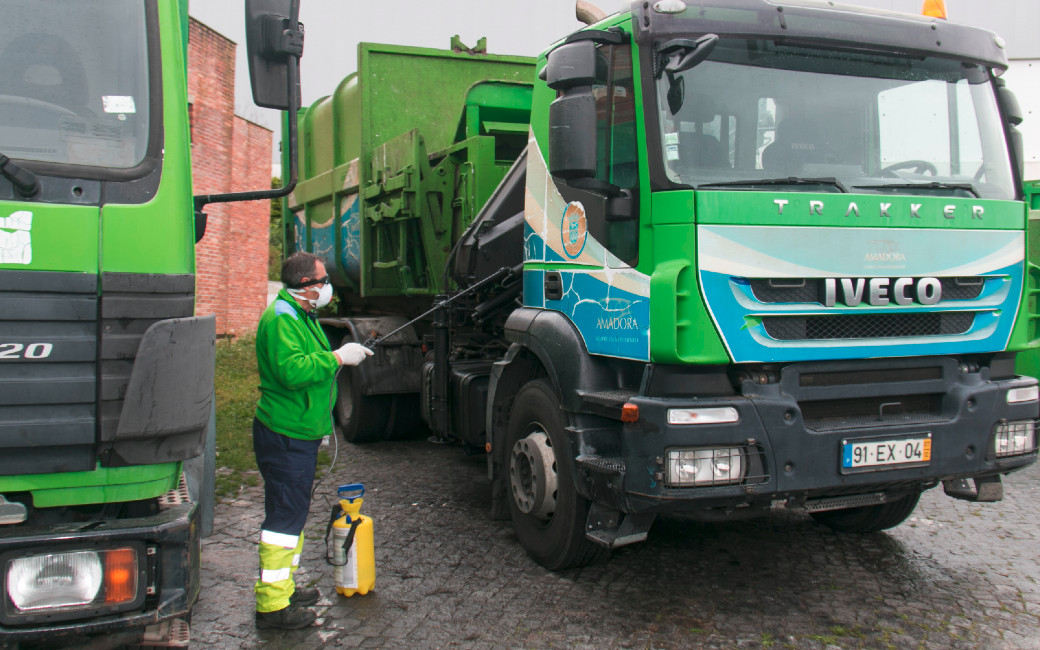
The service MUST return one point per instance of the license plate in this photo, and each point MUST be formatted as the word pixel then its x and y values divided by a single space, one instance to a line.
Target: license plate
pixel 878 453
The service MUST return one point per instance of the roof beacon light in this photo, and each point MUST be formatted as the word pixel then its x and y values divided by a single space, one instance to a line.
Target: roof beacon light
pixel 934 8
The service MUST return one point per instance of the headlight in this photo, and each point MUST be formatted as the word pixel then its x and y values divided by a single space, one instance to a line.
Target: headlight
pixel 707 466
pixel 53 584
pixel 1014 438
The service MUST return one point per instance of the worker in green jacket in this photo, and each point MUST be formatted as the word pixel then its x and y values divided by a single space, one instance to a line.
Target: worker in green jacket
pixel 297 390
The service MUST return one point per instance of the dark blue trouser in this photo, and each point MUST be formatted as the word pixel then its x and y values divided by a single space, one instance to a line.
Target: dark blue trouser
pixel 287 465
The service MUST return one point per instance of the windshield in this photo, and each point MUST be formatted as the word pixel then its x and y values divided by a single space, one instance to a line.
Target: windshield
pixel 755 114
pixel 74 82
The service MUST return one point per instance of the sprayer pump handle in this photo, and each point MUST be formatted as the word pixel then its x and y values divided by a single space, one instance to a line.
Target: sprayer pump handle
pixel 346 491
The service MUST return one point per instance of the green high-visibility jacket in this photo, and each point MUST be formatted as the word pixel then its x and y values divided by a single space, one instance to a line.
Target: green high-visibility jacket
pixel 297 371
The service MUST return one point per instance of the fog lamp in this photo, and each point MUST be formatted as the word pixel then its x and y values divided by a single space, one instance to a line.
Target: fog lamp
pixel 59 582
pixel 706 466
pixel 713 415
pixel 1015 438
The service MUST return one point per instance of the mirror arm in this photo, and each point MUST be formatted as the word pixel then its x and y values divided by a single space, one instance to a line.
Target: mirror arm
pixel 281 43
pixel 621 207
pixel 611 36
pixel 596 186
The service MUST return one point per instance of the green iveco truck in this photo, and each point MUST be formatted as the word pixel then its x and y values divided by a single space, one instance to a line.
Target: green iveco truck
pixel 106 376
pixel 711 257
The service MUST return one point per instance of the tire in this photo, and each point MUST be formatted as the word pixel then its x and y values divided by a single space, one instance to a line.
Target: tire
pixel 375 418
pixel 551 527
pixel 869 519
pixel 362 418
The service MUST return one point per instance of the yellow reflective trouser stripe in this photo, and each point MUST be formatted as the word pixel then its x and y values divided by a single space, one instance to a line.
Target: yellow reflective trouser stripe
pixel 277 564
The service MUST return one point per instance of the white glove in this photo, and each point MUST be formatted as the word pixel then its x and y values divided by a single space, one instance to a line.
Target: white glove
pixel 352 354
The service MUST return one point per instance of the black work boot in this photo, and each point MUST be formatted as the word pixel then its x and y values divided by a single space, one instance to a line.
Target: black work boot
pixel 304 596
pixel 292 617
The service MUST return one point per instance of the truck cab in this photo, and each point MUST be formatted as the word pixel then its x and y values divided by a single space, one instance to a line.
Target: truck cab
pixel 775 256
pixel 106 374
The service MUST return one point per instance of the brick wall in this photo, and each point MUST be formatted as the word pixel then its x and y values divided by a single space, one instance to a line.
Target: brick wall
pixel 229 154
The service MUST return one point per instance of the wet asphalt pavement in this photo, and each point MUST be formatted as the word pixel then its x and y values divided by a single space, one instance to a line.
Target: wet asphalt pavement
pixel 955 575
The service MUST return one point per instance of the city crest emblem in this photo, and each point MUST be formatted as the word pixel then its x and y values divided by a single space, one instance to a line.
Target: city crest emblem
pixel 574 229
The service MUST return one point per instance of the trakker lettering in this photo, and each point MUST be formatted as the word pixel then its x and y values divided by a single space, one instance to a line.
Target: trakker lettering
pixel 881 291
pixel 885 209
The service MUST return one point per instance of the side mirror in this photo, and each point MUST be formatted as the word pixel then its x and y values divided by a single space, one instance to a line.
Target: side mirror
pixel 274 41
pixel 1018 150
pixel 571 70
pixel 572 135
pixel 571 65
pixel 1012 111
pixel 1013 115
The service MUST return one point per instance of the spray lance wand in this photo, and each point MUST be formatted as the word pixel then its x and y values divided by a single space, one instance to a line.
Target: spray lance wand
pixel 501 274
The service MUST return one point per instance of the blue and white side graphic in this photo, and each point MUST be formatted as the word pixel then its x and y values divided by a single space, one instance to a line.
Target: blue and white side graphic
pixel 731 257
pixel 607 300
pixel 323 239
pixel 350 238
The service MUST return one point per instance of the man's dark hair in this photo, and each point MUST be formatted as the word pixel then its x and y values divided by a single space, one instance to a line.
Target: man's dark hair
pixel 298 266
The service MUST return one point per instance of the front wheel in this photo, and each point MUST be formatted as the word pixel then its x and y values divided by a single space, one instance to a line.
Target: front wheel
pixel 547 512
pixel 869 519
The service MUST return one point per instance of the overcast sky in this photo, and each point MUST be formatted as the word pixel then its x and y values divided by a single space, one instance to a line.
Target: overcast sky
pixel 335 27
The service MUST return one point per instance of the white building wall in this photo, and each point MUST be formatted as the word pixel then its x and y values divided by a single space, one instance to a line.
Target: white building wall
pixel 1023 77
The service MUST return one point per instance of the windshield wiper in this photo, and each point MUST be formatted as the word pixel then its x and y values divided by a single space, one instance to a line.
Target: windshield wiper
pixel 933 185
pixel 24 181
pixel 793 180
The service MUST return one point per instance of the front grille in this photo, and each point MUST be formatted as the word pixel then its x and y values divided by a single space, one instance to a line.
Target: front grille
pixel 867 326
pixel 130 304
pixel 48 371
pixel 793 290
pixel 55 401
pixel 886 375
pixel 810 290
pixel 827 415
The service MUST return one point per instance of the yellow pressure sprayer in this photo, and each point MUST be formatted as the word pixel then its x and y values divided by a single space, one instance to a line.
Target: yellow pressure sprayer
pixel 353 549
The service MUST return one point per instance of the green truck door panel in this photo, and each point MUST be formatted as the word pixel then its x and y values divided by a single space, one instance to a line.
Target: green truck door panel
pixel 36 236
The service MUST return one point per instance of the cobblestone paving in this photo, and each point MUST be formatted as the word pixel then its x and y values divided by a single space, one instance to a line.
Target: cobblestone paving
pixel 956 575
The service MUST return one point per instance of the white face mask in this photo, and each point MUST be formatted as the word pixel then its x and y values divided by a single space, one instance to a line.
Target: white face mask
pixel 324 295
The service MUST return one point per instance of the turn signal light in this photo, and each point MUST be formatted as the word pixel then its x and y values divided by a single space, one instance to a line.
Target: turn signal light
pixel 120 575
pixel 934 8
pixel 629 412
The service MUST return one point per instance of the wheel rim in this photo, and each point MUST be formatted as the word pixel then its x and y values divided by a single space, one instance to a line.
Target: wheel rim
pixel 532 475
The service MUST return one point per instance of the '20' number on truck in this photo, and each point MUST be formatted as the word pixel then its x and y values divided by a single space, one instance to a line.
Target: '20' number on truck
pixel 22 351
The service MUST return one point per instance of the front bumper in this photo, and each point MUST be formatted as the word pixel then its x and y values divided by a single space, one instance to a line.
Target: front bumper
pixel 173 555
pixel 792 428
